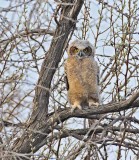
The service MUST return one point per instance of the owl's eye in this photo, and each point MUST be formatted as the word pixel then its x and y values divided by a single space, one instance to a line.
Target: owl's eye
pixel 88 50
pixel 74 50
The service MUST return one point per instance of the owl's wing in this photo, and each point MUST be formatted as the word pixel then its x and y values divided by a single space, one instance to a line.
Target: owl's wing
pixel 98 75
pixel 66 78
pixel 66 81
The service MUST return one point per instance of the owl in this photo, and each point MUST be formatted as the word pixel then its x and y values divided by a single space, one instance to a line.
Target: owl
pixel 82 75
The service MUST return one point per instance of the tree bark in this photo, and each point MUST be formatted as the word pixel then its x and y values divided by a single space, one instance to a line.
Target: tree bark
pixel 30 141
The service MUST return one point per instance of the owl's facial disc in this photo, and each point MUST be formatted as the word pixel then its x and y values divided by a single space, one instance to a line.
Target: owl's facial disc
pixel 80 52
pixel 86 52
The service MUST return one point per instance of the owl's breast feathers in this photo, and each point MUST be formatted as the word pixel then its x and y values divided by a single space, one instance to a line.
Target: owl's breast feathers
pixel 82 77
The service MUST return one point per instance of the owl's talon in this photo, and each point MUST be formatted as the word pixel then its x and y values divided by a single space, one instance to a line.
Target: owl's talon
pixel 72 110
pixel 74 107
pixel 79 107
pixel 93 104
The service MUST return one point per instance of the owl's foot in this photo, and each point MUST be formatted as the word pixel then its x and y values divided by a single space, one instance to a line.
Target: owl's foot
pixel 74 107
pixel 95 104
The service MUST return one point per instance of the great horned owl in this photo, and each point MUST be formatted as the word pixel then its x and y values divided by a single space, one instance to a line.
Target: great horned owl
pixel 82 75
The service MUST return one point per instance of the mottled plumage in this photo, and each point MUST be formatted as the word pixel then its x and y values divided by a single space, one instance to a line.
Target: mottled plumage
pixel 82 75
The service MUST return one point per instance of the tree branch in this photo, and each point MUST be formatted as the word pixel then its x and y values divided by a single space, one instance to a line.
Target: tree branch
pixel 30 141
pixel 63 114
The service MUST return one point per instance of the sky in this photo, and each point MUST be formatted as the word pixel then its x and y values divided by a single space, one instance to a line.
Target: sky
pixel 107 50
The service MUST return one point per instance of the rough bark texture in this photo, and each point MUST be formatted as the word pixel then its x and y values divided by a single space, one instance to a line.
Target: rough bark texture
pixel 39 120
pixel 53 119
pixel 93 113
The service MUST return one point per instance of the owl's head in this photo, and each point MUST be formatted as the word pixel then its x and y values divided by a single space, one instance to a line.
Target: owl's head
pixel 81 48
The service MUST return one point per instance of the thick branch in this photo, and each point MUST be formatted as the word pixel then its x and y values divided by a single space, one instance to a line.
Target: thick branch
pixel 88 132
pixel 39 116
pixel 60 116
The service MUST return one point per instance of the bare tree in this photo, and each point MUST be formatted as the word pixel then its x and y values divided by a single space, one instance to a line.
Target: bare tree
pixel 36 121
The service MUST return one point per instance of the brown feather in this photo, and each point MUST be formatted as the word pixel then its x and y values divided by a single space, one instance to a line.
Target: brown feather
pixel 82 79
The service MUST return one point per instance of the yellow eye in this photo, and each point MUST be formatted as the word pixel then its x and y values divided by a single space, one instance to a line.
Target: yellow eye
pixel 76 50
pixel 88 50
pixel 85 50
pixel 73 50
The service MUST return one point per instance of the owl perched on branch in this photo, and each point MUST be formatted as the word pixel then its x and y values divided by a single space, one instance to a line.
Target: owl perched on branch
pixel 82 75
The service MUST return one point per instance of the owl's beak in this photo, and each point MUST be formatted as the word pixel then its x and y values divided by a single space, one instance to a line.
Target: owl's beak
pixel 81 53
